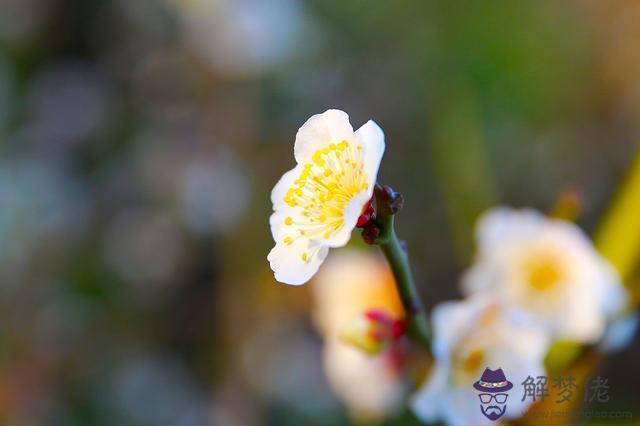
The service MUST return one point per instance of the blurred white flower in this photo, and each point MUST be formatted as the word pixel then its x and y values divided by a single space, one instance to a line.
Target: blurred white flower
pixel 244 36
pixel 470 336
pixel 350 284
pixel 547 268
pixel 317 204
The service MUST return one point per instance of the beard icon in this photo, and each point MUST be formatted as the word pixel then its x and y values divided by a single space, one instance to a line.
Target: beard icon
pixel 493 412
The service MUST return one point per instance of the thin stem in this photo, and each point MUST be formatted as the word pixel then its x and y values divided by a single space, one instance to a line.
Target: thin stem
pixel 417 322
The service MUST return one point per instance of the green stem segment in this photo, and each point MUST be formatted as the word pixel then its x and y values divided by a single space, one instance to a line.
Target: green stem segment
pixel 417 323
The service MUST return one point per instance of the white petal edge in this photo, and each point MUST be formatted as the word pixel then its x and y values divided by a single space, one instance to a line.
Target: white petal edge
pixel 321 130
pixel 450 320
pixel 279 230
pixel 280 189
pixel 426 402
pixel 613 295
pixel 367 384
pixel 502 224
pixel 280 209
pixel 371 136
pixel 352 212
pixel 287 264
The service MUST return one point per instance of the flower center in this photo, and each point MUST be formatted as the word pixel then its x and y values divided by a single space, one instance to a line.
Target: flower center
pixel 467 365
pixel 544 272
pixel 324 188
pixel 473 361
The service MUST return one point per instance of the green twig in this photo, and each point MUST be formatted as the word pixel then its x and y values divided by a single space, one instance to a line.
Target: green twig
pixel 417 323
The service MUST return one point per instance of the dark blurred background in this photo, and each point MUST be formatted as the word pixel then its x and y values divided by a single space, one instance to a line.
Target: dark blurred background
pixel 140 140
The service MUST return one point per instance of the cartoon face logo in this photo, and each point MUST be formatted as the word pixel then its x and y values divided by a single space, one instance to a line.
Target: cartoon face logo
pixel 493 387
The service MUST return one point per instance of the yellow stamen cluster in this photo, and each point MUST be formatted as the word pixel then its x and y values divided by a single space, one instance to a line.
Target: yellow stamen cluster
pixel 323 190
pixel 544 271
pixel 472 362
pixel 468 358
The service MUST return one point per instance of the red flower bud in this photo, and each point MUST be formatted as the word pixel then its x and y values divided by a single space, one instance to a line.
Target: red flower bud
pixel 393 201
pixel 370 233
pixel 368 214
pixel 374 331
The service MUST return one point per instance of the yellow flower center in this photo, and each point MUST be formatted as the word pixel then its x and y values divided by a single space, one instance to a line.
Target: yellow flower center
pixel 467 364
pixel 472 362
pixel 544 272
pixel 469 356
pixel 324 188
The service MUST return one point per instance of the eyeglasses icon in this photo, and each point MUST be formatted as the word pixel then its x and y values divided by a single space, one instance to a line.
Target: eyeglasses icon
pixel 486 398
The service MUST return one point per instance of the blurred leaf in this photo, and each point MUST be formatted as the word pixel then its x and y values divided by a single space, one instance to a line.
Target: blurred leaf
pixel 561 354
pixel 618 238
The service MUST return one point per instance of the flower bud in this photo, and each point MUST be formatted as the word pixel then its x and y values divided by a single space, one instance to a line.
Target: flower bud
pixel 373 332
pixel 392 200
pixel 368 215
pixel 371 232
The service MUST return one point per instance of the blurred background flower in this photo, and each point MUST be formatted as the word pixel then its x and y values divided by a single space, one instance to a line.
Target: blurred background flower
pixel 246 37
pixel 139 142
pixel 469 336
pixel 350 284
pixel 548 269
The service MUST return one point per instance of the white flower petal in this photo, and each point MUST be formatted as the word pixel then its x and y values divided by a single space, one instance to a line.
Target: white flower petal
pixel 367 384
pixel 288 265
pixel 320 131
pixel 426 403
pixel 481 277
pixel 614 297
pixel 581 318
pixel 502 224
pixel 449 320
pixel 279 229
pixel 351 214
pixel 372 138
pixel 529 339
pixel 283 185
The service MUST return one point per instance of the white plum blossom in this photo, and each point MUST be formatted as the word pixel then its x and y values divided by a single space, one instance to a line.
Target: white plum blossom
pixel 317 203
pixel 469 336
pixel 547 268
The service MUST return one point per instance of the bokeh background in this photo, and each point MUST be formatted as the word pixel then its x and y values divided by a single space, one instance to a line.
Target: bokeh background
pixel 140 139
